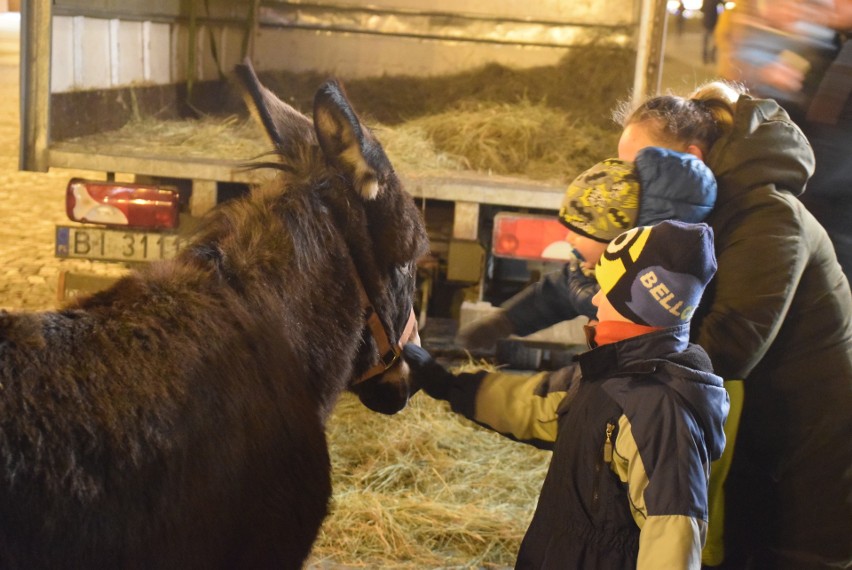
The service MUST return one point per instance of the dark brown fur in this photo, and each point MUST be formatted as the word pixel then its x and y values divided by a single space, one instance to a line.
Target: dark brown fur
pixel 176 420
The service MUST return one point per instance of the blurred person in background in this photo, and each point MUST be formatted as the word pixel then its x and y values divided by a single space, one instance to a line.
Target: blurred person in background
pixel 710 10
pixel 797 53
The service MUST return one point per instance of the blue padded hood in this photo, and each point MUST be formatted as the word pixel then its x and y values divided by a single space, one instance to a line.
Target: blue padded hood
pixel 675 185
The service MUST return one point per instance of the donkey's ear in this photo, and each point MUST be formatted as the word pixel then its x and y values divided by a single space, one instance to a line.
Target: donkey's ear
pixel 346 142
pixel 282 123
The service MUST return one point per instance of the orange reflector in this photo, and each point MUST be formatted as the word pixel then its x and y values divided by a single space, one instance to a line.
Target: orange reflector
pixel 528 236
pixel 121 204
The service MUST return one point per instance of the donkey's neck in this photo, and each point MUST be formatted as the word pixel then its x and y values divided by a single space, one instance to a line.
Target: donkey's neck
pixel 297 256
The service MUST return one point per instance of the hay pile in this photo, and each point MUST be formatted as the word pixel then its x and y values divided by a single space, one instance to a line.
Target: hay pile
pixel 521 139
pixel 425 489
pixel 546 123
pixel 212 137
pixel 410 149
pixel 586 82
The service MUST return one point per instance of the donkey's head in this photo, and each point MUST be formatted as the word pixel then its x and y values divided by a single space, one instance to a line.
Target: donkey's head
pixel 379 222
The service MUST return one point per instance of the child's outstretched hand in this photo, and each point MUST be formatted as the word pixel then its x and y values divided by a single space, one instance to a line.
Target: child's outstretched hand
pixel 484 333
pixel 433 378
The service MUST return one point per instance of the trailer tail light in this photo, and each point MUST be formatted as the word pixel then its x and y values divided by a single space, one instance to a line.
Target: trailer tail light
pixel 121 204
pixel 527 236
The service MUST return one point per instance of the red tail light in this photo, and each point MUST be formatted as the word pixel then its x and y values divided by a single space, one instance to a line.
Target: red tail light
pixel 121 204
pixel 527 236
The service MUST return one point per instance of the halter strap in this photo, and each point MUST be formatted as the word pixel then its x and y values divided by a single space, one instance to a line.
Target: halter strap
pixel 388 353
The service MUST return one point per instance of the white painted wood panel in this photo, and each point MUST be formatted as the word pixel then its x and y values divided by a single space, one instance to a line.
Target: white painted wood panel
pixel 159 52
pixel 62 54
pixel 91 53
pixel 129 65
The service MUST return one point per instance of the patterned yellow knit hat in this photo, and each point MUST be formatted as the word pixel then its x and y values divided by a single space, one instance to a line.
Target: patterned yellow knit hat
pixel 603 201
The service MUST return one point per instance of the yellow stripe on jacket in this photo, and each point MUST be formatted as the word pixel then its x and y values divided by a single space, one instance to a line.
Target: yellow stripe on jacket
pixel 670 541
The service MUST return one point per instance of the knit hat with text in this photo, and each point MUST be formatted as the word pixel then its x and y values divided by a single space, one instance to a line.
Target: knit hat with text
pixel 655 275
pixel 616 195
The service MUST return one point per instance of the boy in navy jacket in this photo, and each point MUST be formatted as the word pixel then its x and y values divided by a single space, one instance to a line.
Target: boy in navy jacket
pixel 633 424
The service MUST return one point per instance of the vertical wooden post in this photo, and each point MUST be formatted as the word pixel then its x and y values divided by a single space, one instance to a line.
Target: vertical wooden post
pixel 650 50
pixel 35 84
pixel 204 197
pixel 466 220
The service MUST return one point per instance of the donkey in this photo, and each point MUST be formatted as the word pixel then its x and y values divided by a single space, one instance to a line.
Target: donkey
pixel 176 419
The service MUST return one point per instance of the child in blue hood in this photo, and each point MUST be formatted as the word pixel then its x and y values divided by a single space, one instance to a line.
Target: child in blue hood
pixel 633 424
pixel 605 200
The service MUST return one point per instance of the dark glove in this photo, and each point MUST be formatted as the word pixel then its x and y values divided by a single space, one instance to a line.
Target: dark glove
pixel 582 286
pixel 484 333
pixel 433 378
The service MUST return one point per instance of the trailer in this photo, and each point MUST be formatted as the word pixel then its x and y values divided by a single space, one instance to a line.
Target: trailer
pixel 90 68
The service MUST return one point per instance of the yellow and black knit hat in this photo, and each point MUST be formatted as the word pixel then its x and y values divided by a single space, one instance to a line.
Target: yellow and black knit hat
pixel 655 275
pixel 603 201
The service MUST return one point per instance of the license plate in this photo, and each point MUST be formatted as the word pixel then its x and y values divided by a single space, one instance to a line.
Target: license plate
pixel 115 244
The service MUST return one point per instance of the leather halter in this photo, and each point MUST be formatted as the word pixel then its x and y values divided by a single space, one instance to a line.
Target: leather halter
pixel 388 353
